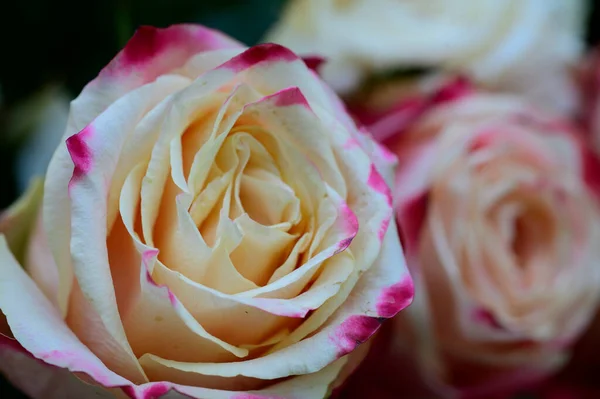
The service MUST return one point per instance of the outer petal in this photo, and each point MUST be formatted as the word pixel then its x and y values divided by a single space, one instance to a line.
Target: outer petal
pixel 95 152
pixel 50 382
pixel 150 53
pixel 382 291
pixel 29 312
pixel 17 221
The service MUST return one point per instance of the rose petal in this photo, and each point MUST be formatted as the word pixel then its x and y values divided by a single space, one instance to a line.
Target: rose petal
pixel 331 341
pixel 17 222
pixel 28 312
pixel 149 54
pixel 50 382
pixel 157 322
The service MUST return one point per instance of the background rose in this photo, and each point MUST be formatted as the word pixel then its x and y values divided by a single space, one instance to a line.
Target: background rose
pixel 518 46
pixel 589 85
pixel 214 223
pixel 37 124
pixel 497 209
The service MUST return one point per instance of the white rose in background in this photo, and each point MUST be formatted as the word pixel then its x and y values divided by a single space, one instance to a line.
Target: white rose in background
pixel 523 46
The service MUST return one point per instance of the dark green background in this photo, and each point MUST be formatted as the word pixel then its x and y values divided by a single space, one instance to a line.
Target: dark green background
pixel 69 41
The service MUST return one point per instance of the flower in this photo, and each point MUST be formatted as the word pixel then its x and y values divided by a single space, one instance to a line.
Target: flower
pixel 497 205
pixel 589 85
pixel 213 224
pixel 38 124
pixel 522 46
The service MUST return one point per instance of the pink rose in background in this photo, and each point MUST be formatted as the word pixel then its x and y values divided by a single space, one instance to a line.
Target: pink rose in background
pixel 589 79
pixel 213 226
pixel 496 204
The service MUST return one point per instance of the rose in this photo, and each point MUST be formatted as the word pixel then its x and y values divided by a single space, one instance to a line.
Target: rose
pixel 589 85
pixel 216 225
pixel 518 46
pixel 496 202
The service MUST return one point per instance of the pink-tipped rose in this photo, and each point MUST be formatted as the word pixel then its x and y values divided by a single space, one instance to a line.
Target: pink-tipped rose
pixel 496 203
pixel 589 83
pixel 213 226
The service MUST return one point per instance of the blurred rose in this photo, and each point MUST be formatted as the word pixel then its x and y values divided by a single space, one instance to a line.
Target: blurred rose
pixel 38 125
pixel 496 203
pixel 212 224
pixel 579 378
pixel 523 46
pixel 590 92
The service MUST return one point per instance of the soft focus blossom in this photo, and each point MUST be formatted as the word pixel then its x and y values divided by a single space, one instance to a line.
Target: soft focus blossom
pixel 38 125
pixel 213 225
pixel 589 85
pixel 524 46
pixel 496 202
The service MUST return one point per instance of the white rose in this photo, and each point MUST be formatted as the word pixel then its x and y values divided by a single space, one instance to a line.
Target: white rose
pixel 213 224
pixel 516 45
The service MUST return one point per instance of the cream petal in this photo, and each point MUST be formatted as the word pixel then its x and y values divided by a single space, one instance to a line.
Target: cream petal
pixel 219 272
pixel 217 310
pixel 150 53
pixel 23 227
pixel 57 383
pixel 320 315
pixel 228 115
pixel 205 61
pixel 158 322
pixel 288 112
pixel 86 324
pixel 39 263
pixel 59 347
pixel 270 68
pixel 386 286
pixel 364 180
pixel 334 273
pixel 333 216
pixel 124 259
pixel 159 370
pixel 223 276
pixel 204 202
pixel 190 102
pixel 291 261
pixel 324 287
pixel 185 147
pixel 283 205
pixel 160 165
pixel 126 72
pixel 339 231
pixel 308 185
pixel 139 143
pixel 56 208
pixel 313 385
pixel 18 222
pixel 93 153
pixel 28 311
pixel 271 243
pixel 181 244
